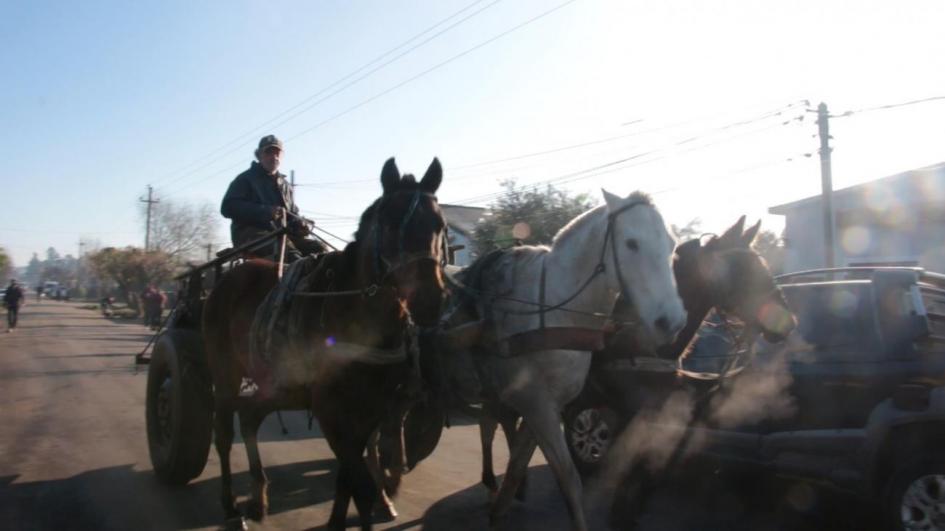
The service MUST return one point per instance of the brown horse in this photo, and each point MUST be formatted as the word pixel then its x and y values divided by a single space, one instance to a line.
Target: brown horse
pixel 724 273
pixel 347 323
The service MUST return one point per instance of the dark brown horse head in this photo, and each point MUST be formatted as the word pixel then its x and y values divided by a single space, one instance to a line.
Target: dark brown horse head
pixel 402 239
pixel 727 274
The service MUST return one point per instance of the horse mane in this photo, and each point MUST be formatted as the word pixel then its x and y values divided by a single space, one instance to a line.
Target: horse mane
pixel 565 232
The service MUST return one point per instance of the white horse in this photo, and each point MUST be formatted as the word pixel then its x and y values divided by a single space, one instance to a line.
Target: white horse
pixel 545 309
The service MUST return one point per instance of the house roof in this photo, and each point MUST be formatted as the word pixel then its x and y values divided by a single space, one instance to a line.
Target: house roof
pixel 921 185
pixel 462 218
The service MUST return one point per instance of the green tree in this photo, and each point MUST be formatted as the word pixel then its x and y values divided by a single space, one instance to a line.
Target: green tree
pixel 528 215
pixel 770 246
pixel 6 265
pixel 131 269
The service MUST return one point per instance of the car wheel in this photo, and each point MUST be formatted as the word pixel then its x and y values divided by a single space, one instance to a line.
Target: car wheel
pixel 590 432
pixel 916 495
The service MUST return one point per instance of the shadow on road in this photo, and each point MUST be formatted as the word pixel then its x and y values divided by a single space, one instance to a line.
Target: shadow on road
pixel 119 498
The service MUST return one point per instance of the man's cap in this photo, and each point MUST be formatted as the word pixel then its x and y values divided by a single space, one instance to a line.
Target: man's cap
pixel 269 141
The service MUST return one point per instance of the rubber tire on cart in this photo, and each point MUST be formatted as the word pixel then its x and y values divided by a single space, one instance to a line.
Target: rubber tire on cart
pixel 589 431
pixel 923 474
pixel 179 409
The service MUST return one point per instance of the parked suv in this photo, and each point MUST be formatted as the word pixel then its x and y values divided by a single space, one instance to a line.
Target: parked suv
pixel 854 399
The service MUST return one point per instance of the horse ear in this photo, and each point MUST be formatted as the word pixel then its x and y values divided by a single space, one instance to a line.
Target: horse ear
pixel 734 233
pixel 390 176
pixel 433 177
pixel 750 234
pixel 613 201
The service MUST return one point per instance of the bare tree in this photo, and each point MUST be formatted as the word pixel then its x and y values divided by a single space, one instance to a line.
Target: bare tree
pixel 690 230
pixel 180 230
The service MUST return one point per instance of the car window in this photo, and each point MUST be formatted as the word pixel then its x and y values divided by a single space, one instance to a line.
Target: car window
pixel 830 316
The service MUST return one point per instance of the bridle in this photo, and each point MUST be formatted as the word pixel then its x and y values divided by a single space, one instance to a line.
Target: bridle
pixel 609 238
pixel 384 267
pixel 403 258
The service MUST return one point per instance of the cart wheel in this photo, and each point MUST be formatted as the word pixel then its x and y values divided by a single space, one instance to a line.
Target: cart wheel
pixel 179 410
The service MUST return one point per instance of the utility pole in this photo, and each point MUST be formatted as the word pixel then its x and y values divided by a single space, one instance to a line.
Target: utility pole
pixel 826 181
pixel 292 180
pixel 209 251
pixel 147 226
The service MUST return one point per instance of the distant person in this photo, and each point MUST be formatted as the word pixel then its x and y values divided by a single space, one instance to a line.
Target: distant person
pixel 257 199
pixel 13 298
pixel 39 293
pixel 153 302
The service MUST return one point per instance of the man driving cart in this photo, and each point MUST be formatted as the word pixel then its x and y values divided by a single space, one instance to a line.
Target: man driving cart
pixel 259 199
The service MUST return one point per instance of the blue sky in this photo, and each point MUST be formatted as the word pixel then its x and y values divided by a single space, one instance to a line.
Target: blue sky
pixel 101 99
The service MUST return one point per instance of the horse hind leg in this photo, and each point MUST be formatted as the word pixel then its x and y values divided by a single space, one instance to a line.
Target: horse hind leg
pixel 487 427
pixel 510 420
pixel 223 442
pixel 258 505
pixel 545 426
pixel 523 446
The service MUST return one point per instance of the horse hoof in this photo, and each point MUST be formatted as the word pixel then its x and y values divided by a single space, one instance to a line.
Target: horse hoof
pixel 255 510
pixel 236 523
pixel 385 513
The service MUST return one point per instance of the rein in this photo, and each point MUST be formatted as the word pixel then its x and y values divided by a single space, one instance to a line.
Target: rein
pixel 403 259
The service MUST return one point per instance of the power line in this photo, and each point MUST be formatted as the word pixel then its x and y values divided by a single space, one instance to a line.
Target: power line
pixel 332 85
pixel 887 106
pixel 404 82
pixel 433 68
pixel 619 164
pixel 558 149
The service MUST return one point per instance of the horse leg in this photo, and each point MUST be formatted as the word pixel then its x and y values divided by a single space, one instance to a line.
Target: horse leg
pixel 339 507
pixel 487 427
pixel 258 505
pixel 384 509
pixel 358 485
pixel 354 479
pixel 523 447
pixel 508 418
pixel 223 441
pixel 544 422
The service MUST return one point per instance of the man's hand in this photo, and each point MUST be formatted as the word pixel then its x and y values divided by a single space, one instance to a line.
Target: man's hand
pixel 277 213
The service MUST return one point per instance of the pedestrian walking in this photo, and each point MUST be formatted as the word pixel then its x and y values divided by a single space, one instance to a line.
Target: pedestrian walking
pixel 13 298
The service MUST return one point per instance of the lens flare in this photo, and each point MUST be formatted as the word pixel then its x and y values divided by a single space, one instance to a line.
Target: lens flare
pixel 855 240
pixel 521 230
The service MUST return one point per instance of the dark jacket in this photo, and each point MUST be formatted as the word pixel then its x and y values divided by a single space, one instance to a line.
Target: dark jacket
pixel 13 296
pixel 252 195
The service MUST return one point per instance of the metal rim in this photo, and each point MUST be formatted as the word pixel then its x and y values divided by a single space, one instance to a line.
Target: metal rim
pixel 590 435
pixel 923 503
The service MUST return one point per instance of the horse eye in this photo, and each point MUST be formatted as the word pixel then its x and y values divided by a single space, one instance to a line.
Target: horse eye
pixel 633 245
